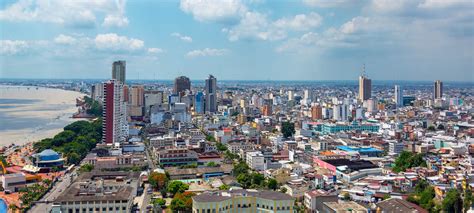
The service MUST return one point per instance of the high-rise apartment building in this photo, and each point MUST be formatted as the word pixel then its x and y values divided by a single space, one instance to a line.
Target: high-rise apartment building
pixel 97 92
pixel 398 95
pixel 181 84
pixel 438 89
pixel 118 71
pixel 211 94
pixel 114 126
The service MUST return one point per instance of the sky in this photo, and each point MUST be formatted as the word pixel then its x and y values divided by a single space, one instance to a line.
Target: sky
pixel 239 39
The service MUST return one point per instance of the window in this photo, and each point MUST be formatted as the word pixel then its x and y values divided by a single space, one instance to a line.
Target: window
pixel 124 208
pixel 258 205
pixel 104 209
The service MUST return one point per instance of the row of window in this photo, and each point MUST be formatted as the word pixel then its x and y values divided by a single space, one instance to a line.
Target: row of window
pixel 243 206
pixel 97 209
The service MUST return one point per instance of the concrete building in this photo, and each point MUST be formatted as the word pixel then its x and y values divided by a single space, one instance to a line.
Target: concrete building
pixel 13 182
pixel 119 71
pixel 438 89
pixel 136 100
pixel 255 160
pixel 316 112
pixel 242 201
pixel 365 87
pixel 211 94
pixel 115 126
pixel 99 192
pixel 398 95
pixel 337 207
pixel 313 200
pixel 177 157
pixel 181 84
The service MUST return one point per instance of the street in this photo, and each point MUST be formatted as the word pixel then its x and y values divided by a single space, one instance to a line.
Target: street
pixel 44 205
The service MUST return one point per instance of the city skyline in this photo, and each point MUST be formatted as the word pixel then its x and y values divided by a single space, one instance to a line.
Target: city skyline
pixel 239 40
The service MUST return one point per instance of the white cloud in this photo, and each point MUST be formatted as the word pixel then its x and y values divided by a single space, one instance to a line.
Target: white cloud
pixel 114 42
pixel 76 13
pixel 154 50
pixel 347 35
pixel 115 21
pixel 182 37
pixel 446 3
pixel 213 10
pixel 64 39
pixel 300 22
pixel 206 52
pixel 12 47
pixel 327 3
pixel 255 25
pixel 355 25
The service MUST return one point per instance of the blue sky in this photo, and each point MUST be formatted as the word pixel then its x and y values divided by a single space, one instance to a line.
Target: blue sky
pixel 239 39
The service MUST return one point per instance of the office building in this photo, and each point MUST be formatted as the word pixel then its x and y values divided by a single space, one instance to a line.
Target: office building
pixel 438 89
pixel 211 94
pixel 398 95
pixel 114 125
pixel 152 98
pixel 243 200
pixel 118 71
pixel 181 84
pixel 199 103
pixel 365 87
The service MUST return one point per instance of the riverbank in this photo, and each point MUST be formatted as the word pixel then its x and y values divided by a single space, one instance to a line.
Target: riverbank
pixel 29 114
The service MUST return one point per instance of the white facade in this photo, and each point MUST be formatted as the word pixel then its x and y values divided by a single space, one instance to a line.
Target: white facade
pixel 255 160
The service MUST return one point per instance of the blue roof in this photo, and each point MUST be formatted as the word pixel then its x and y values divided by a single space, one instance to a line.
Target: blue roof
pixel 48 152
pixel 358 149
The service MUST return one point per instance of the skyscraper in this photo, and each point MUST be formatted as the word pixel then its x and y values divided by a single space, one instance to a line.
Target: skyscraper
pixel 181 84
pixel 438 89
pixel 199 103
pixel 365 87
pixel 114 126
pixel 211 94
pixel 398 95
pixel 118 71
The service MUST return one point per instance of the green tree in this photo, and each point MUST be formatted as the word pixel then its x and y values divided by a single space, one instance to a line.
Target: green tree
pixel 221 147
pixel 157 180
pixel 283 189
pixel 159 201
pixel 288 129
pixel 182 202
pixel 452 202
pixel 244 180
pixel 86 167
pixel 240 168
pixel 73 158
pixel 224 187
pixel 468 198
pixel 272 184
pixel 212 164
pixel 177 187
pixel 408 160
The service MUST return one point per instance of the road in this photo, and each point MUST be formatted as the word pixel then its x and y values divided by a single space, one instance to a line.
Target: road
pixel 44 205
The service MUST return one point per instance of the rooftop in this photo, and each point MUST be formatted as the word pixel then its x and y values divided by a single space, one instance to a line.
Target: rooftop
pixel 225 195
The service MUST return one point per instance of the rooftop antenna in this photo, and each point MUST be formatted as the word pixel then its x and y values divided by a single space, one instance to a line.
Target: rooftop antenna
pixel 363 71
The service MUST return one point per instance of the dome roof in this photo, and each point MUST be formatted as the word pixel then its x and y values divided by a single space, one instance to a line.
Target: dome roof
pixel 48 152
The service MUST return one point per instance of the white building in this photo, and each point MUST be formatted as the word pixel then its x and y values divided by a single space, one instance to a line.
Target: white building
pixel 255 160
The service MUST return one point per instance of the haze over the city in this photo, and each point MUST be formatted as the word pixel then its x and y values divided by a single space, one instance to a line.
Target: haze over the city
pixel 245 40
